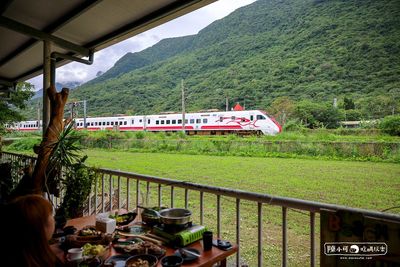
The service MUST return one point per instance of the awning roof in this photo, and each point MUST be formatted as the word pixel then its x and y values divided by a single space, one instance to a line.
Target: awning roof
pixel 75 27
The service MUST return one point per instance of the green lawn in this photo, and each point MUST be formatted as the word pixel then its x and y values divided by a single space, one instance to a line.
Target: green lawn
pixel 366 185
pixel 357 184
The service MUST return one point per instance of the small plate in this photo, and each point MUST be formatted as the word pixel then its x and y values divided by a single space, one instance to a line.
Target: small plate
pixel 134 230
pixel 188 257
pixel 119 260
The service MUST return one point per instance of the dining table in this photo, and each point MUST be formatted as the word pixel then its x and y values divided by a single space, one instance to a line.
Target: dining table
pixel 206 259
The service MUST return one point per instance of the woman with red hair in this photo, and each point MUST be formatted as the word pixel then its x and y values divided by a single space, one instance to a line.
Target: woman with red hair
pixel 28 225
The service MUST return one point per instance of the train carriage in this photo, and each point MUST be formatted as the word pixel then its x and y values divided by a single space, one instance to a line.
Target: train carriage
pixel 210 123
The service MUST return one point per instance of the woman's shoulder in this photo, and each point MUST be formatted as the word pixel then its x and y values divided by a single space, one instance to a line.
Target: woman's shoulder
pixel 59 263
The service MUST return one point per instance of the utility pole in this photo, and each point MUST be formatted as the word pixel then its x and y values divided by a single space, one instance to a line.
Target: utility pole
pixel 38 115
pixel 72 110
pixel 226 104
pixel 76 104
pixel 84 114
pixel 183 106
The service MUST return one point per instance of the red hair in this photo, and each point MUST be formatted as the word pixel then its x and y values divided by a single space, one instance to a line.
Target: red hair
pixel 26 219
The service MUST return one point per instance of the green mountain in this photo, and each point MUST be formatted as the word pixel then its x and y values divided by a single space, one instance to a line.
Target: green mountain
pixel 303 49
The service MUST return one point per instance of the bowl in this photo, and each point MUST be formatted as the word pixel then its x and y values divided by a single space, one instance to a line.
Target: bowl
pixel 171 261
pixel 152 260
pixel 91 262
pixel 150 219
pixel 124 219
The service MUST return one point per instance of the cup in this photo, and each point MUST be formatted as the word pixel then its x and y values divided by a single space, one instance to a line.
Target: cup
pixel 75 254
pixel 207 240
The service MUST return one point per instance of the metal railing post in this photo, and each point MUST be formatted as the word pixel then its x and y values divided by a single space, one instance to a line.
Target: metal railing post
pixel 260 243
pixel 284 237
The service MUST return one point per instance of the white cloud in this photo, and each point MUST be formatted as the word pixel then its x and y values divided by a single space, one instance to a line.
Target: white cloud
pixel 188 24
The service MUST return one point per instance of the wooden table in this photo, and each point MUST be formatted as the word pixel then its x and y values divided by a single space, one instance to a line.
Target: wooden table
pixel 206 259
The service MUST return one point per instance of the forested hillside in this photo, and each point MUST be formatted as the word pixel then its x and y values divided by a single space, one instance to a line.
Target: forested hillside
pixel 298 49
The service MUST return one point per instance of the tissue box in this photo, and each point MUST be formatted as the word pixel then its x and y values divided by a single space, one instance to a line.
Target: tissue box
pixel 105 225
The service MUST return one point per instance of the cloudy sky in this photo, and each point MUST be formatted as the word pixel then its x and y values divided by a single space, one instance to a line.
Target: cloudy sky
pixel 186 25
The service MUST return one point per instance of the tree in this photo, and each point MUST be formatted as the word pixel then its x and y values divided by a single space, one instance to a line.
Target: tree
pixel 391 125
pixel 10 108
pixel 315 115
pixel 352 115
pixel 376 107
pixel 282 109
pixel 348 103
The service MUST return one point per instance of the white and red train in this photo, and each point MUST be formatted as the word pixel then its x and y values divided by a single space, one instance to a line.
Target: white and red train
pixel 211 123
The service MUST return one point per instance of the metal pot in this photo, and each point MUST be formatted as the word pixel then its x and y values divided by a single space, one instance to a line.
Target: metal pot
pixel 175 216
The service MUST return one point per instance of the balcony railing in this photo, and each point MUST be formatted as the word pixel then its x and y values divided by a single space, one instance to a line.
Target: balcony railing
pixel 113 189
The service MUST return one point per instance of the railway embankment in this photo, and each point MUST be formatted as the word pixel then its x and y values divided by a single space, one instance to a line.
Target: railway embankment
pixel 289 145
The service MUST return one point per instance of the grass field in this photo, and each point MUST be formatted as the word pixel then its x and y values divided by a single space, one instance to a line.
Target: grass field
pixel 358 184
pixel 365 185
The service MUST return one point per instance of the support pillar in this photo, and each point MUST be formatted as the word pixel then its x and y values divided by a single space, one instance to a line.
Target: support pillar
pixel 46 84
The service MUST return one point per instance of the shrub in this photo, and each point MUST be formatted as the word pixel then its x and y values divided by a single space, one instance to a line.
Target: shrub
pixel 293 125
pixel 24 144
pixel 391 125
pixel 140 135
pixel 353 115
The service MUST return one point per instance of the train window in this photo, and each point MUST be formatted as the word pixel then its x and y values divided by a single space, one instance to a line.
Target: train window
pixel 112 123
pixel 179 121
pixel 108 123
pixel 204 120
pixel 173 122
pixel 233 118
pixel 148 121
pixel 198 120
pixel 125 122
pixel 260 117
pixel 162 122
pixel 140 120
pixel 186 121
pixel 251 117
pixel 221 119
pixel 157 122
pixel 133 121
pixel 191 121
pixel 243 119
pixel 168 122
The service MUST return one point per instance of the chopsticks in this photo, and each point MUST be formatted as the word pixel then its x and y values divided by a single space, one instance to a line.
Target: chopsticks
pixel 184 251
